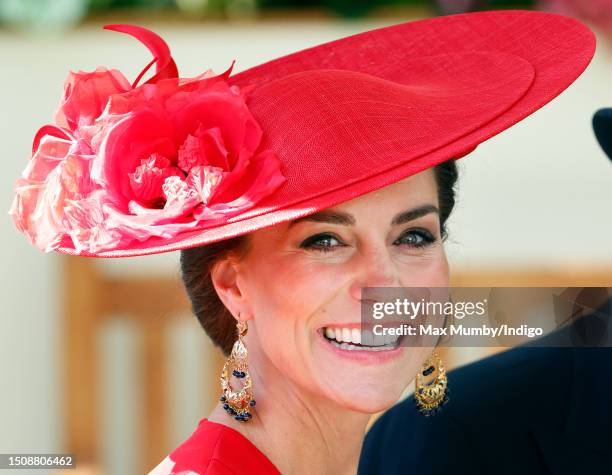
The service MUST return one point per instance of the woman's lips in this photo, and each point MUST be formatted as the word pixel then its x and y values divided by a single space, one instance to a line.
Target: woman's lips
pixel 349 341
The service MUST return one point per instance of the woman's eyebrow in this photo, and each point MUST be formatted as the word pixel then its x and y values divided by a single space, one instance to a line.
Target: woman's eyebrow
pixel 347 219
pixel 412 214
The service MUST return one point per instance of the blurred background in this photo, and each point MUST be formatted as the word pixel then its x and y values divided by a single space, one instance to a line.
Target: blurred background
pixel 102 358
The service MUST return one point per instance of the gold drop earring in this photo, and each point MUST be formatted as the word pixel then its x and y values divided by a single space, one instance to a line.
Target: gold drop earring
pixel 429 398
pixel 238 403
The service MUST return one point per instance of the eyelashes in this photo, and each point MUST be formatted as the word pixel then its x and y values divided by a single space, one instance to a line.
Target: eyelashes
pixel 419 238
pixel 314 242
pixel 415 239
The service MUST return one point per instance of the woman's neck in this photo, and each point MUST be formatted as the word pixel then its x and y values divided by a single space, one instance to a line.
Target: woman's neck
pixel 299 432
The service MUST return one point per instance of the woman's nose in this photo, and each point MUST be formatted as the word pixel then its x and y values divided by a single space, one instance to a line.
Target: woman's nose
pixel 374 269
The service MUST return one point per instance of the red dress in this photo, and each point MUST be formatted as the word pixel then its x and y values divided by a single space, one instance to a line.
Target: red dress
pixel 215 449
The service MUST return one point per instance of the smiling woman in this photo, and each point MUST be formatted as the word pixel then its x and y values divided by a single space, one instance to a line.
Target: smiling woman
pixel 289 188
pixel 298 286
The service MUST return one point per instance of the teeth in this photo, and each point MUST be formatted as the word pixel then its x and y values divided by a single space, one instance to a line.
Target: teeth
pixel 378 340
pixel 352 336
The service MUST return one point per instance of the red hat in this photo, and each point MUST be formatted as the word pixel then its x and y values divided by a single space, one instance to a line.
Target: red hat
pixel 176 162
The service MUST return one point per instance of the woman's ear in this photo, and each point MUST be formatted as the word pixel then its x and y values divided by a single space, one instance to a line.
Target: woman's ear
pixel 224 276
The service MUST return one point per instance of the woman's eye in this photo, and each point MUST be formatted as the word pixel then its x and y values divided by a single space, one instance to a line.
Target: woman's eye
pixel 416 238
pixel 320 242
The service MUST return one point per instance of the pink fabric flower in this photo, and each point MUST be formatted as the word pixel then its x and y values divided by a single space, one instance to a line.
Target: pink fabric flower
pixel 124 162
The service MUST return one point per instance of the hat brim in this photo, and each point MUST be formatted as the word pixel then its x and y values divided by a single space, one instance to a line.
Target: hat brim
pixel 602 126
pixel 542 53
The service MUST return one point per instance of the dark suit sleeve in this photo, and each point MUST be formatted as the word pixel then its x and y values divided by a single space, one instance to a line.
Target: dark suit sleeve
pixel 402 441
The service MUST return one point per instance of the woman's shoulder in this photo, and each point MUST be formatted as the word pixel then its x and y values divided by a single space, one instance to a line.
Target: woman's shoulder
pixel 215 449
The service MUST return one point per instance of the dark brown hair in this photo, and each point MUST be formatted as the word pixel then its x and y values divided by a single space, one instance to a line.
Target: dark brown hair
pixel 197 264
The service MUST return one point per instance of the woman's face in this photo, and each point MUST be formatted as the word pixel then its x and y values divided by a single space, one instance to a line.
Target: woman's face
pixel 303 279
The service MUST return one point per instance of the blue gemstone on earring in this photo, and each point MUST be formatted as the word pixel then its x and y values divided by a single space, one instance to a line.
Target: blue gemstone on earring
pixel 222 399
pixel 238 417
pixel 236 373
pixel 247 415
pixel 428 371
pixel 226 406
pixel 252 402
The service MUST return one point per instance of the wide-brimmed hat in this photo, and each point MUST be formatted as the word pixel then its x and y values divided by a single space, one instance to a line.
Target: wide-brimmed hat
pixel 175 162
pixel 602 126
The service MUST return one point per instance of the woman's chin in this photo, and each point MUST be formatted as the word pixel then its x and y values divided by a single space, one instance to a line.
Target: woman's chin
pixel 363 381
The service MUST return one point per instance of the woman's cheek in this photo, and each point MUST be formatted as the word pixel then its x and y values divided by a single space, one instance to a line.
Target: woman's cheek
pixel 293 292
